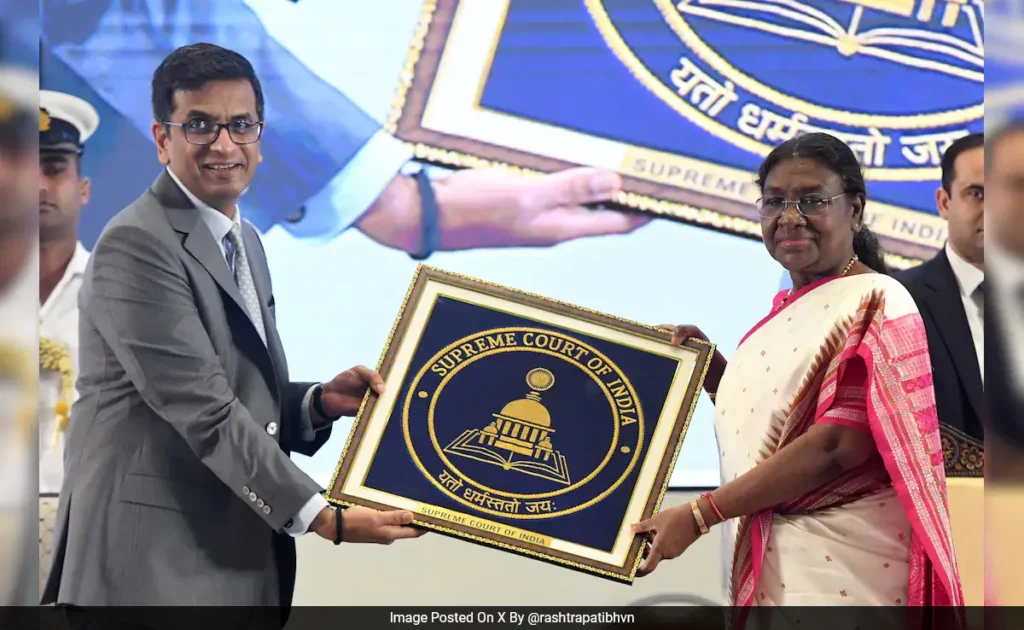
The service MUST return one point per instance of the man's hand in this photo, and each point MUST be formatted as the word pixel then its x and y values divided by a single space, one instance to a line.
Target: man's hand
pixel 363 525
pixel 480 208
pixel 344 394
pixel 495 208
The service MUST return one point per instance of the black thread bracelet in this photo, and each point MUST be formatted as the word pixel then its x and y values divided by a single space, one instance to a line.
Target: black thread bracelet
pixel 337 526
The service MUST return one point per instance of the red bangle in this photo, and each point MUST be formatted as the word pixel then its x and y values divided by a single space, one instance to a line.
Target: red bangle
pixel 707 495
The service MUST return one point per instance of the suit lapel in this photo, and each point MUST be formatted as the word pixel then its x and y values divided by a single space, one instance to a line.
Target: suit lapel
pixel 184 218
pixel 198 242
pixel 951 320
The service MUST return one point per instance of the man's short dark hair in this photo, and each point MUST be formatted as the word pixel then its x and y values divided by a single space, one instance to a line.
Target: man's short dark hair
pixel 191 67
pixel 966 143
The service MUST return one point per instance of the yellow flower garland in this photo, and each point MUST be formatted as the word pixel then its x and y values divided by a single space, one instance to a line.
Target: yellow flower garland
pixel 54 357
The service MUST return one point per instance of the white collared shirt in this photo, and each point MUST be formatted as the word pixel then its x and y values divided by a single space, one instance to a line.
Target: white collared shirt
pixel 1007 286
pixel 969 277
pixel 58 322
pixel 219 226
pixel 218 223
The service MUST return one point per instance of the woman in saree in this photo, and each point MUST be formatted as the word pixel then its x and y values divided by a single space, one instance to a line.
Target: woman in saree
pixel 833 490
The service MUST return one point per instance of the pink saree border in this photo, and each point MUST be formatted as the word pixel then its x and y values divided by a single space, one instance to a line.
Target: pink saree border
pixel 904 423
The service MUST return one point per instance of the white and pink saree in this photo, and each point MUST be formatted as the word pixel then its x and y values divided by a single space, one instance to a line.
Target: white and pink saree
pixel 852 351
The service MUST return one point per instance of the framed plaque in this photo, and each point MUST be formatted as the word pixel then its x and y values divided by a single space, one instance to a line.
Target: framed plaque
pixel 523 423
pixel 685 98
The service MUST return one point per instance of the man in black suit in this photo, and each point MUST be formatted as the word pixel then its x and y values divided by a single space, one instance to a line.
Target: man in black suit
pixel 949 291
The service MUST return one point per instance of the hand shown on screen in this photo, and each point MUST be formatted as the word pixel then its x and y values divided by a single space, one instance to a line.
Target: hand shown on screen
pixel 343 395
pixel 364 525
pixel 484 208
pixel 718 363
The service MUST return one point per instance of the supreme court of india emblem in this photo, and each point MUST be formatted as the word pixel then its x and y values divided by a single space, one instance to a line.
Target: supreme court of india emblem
pixel 686 97
pixel 553 450
pixel 524 423
pixel 822 81
pixel 898 80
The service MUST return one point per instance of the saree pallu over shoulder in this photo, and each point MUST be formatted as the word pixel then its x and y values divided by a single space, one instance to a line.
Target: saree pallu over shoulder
pixel 872 329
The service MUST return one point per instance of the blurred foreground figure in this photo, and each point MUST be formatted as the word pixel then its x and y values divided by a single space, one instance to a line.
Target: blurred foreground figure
pixel 18 350
pixel 1004 338
pixel 1005 331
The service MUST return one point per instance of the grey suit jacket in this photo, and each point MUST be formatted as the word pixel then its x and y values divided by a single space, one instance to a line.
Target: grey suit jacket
pixel 178 478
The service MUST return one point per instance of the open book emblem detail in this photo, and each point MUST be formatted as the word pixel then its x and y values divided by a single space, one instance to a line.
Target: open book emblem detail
pixel 861 52
pixel 519 437
pixel 932 44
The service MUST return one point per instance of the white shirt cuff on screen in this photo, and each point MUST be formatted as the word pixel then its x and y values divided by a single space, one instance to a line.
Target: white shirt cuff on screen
pixel 352 191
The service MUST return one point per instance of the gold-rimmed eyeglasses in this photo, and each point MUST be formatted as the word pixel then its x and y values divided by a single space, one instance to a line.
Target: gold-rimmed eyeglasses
pixel 807 205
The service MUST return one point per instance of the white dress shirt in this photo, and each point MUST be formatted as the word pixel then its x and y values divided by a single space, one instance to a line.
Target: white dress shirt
pixel 969 278
pixel 58 322
pixel 220 225
pixel 1007 287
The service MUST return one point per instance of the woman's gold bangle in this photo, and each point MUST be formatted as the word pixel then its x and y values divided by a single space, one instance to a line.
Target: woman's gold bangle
pixel 699 516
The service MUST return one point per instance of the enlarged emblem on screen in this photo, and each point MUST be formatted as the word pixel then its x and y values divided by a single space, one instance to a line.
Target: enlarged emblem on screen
pixel 523 423
pixel 691 95
pixel 820 76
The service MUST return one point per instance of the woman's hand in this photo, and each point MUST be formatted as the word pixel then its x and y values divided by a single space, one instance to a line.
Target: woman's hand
pixel 718 363
pixel 674 531
pixel 681 333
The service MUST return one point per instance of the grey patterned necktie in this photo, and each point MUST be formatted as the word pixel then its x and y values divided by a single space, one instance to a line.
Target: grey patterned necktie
pixel 238 261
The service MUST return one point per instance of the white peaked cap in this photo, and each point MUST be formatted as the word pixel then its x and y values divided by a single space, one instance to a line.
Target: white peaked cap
pixel 72 110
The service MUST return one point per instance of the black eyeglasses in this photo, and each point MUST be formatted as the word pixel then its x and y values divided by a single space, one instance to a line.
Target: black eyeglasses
pixel 808 205
pixel 203 131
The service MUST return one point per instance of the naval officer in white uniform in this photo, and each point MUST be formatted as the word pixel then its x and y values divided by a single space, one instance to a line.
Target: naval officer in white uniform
pixel 65 123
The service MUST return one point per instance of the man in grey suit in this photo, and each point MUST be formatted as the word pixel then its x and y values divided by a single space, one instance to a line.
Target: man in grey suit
pixel 179 488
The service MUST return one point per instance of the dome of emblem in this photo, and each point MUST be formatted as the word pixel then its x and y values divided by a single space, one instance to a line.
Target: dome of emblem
pixel 528 411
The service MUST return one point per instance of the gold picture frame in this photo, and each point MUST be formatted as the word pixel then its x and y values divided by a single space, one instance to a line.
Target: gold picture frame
pixel 650 391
